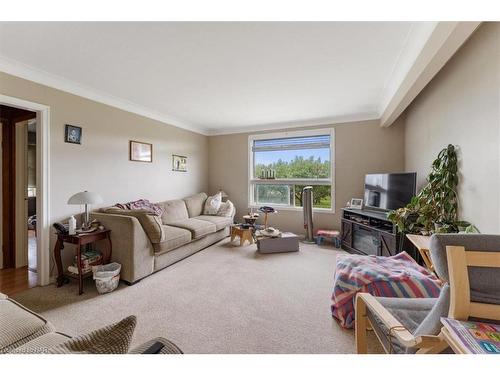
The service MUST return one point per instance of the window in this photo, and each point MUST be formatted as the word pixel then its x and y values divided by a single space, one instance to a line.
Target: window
pixel 281 165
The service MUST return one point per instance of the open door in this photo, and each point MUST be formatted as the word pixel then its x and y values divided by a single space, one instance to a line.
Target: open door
pixel 21 194
pixel 14 185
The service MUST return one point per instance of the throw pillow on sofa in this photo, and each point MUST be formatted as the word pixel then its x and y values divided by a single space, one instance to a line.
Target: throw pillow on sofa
pixel 226 209
pixel 112 339
pixel 212 204
pixel 150 222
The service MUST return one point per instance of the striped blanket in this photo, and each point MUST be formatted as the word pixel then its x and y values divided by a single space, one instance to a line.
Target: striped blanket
pixel 396 276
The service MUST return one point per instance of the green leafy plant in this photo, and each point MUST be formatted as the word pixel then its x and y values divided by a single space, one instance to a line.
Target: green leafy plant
pixel 435 208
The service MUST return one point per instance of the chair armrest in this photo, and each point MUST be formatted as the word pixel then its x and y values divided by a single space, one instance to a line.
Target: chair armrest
pixel 159 345
pixel 397 330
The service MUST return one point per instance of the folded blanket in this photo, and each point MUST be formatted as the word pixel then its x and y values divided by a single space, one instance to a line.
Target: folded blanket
pixel 141 204
pixel 396 276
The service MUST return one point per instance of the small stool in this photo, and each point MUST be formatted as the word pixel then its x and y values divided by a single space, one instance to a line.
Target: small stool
pixel 245 234
pixel 334 235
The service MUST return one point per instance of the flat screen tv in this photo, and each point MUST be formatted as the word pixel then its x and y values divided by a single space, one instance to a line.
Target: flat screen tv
pixel 389 191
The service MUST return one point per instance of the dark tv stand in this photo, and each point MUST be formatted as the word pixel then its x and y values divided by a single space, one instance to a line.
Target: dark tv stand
pixel 368 232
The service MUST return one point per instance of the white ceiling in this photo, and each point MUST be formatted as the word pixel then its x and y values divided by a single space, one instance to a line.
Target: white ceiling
pixel 221 77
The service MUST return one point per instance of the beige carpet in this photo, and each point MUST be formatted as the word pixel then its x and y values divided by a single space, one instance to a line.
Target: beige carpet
pixel 224 299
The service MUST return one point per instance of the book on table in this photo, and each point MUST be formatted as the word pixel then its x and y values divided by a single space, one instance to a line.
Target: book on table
pixel 474 337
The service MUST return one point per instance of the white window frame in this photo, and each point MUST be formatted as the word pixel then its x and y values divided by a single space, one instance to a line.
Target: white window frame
pixel 288 134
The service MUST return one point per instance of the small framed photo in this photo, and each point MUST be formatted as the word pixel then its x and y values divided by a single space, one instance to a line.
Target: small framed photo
pixel 141 151
pixel 73 134
pixel 356 203
pixel 179 163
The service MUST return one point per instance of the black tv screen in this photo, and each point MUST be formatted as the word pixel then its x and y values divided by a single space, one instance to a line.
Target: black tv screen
pixel 389 191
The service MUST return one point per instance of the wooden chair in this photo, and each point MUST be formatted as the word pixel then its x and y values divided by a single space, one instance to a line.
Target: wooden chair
pixel 397 338
pixel 461 305
pixel 473 291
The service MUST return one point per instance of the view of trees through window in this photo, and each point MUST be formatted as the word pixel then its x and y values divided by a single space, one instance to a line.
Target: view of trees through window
pixel 309 164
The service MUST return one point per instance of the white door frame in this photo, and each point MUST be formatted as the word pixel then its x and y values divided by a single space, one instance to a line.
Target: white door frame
pixel 42 181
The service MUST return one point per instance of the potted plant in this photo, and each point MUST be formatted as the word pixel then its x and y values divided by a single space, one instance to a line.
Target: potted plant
pixel 435 208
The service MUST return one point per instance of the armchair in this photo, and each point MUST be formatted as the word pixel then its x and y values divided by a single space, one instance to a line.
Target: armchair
pixel 409 325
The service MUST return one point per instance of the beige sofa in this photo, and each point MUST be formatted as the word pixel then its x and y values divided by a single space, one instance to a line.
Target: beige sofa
pixel 144 243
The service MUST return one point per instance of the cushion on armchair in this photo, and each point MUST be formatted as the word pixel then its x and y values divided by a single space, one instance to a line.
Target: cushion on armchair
pixel 420 316
pixel 484 285
pixel 431 325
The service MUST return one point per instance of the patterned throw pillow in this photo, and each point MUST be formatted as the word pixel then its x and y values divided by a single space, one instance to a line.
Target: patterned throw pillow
pixel 112 339
pixel 212 204
pixel 226 209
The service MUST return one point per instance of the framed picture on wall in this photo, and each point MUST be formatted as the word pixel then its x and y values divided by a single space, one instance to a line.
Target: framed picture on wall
pixel 141 151
pixel 356 203
pixel 73 134
pixel 179 163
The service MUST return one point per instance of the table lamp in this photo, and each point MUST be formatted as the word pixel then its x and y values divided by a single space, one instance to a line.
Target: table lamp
pixel 224 195
pixel 85 198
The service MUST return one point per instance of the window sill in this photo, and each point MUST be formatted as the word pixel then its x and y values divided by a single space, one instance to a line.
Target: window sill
pixel 291 181
pixel 296 209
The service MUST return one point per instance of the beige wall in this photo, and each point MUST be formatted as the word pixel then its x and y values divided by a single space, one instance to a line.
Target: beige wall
pixel 360 148
pixel 101 163
pixel 461 106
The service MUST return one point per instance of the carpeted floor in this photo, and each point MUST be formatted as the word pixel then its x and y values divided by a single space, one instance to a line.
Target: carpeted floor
pixel 224 299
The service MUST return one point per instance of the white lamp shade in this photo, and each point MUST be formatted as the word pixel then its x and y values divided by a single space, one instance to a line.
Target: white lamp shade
pixel 85 197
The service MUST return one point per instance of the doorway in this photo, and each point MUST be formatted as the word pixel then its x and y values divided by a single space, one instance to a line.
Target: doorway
pixel 18 199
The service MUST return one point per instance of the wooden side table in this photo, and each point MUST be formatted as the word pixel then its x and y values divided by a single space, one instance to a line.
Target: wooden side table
pixel 80 240
pixel 423 244
pixel 243 233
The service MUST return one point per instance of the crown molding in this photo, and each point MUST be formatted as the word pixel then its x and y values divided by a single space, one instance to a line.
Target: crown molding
pixel 414 68
pixel 325 121
pixel 30 73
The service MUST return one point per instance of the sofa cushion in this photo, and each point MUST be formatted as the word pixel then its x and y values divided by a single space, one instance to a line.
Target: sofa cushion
pixel 19 325
pixel 150 222
pixel 174 210
pixel 175 237
pixel 42 344
pixel 220 221
pixel 195 204
pixel 198 228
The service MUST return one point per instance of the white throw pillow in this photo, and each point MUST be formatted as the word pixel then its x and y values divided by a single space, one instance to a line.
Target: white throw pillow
pixel 226 209
pixel 212 204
